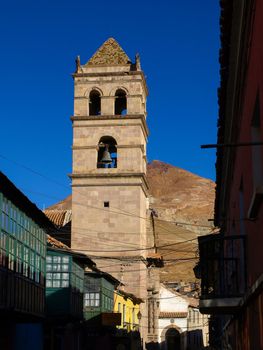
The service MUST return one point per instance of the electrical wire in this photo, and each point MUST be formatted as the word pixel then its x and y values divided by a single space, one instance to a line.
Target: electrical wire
pixel 120 211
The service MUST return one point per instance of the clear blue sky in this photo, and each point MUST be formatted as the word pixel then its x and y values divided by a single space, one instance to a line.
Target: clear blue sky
pixel 178 42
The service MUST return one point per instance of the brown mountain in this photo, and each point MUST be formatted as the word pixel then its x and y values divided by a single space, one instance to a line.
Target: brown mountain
pixel 181 196
pixel 184 203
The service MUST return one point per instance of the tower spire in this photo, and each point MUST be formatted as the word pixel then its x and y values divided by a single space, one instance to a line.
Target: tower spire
pixel 109 53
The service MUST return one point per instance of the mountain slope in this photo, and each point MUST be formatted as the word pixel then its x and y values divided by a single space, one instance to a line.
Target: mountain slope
pixel 181 196
pixel 184 203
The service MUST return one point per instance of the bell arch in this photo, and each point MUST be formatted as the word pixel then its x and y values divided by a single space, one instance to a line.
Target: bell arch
pixel 95 102
pixel 120 106
pixel 107 152
pixel 120 87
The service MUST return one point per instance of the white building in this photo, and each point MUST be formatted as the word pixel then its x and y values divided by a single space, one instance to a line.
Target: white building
pixel 181 325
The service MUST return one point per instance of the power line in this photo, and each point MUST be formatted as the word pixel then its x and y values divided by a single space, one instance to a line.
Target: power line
pixel 139 249
pixel 120 211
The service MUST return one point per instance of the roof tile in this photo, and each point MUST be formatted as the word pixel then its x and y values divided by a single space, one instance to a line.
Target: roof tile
pixel 110 53
pixel 164 314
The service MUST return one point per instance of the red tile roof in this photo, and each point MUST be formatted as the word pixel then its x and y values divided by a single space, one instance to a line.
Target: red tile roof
pixel 53 242
pixel 59 217
pixel 165 314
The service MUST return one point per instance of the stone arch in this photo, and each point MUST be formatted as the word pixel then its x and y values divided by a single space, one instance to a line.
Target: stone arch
pixel 170 326
pixel 95 88
pixel 171 338
pixel 113 91
pixel 94 102
pixel 107 150
pixel 113 135
pixel 120 102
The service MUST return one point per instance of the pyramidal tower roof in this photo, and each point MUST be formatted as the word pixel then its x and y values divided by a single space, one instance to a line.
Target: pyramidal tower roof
pixel 110 53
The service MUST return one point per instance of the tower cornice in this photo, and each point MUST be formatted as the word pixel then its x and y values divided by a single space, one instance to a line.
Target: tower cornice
pixel 111 179
pixel 140 117
pixel 112 74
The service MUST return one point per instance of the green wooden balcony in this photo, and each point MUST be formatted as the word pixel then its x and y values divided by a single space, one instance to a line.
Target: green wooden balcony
pixel 98 299
pixel 22 257
pixel 64 284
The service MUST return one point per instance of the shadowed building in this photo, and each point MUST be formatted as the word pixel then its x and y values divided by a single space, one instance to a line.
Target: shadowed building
pixel 23 230
pixel 231 262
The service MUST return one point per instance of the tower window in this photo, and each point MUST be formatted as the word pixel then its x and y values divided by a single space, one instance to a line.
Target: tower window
pixel 120 102
pixel 256 150
pixel 94 103
pixel 107 153
pixel 106 204
pixel 257 164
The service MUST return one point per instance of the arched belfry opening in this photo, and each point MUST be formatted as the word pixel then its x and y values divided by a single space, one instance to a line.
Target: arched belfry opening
pixel 120 102
pixel 107 152
pixel 94 103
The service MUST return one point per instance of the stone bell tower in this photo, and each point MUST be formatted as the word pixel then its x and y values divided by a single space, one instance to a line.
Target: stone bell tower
pixel 109 187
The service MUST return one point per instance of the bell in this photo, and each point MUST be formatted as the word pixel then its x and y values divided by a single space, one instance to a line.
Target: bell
pixel 106 158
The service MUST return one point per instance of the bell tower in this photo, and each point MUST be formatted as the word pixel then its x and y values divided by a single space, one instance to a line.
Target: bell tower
pixel 109 187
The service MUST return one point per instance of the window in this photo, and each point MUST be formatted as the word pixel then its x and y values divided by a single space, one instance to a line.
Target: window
pixel 77 277
pixel 241 208
pixel 107 153
pixel 56 276
pixel 257 162
pixel 26 262
pixel 124 313
pixel 92 291
pixel 106 204
pixel 11 256
pixel 5 213
pixel 257 154
pixel 120 102
pixel 94 103
pixel 92 299
pixel 37 268
pixel 3 241
pixel 18 241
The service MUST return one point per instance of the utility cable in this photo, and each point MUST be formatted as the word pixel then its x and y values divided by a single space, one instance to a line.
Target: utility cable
pixel 120 211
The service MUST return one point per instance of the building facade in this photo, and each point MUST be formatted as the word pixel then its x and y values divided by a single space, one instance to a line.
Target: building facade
pixel 232 261
pixel 181 325
pixel 173 312
pixel 129 306
pixel 197 328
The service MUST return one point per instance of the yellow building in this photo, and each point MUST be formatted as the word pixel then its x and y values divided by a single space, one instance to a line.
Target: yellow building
pixel 129 306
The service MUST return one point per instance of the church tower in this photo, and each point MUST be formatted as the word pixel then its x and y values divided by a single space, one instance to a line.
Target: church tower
pixel 109 187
